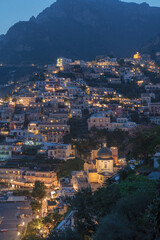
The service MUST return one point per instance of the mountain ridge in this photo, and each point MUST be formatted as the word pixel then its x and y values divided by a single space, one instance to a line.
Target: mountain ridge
pixel 80 29
pixel 152 46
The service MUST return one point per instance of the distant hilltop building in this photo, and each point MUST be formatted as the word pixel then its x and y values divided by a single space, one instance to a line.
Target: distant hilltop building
pixel 63 62
pixel 137 56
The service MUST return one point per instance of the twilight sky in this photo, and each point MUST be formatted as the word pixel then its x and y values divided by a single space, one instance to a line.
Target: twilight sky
pixel 12 11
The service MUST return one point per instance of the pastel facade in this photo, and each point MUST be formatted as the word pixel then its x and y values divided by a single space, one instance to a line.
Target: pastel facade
pixel 60 151
pixel 79 180
pixel 99 121
pixel 102 167
pixel 21 178
pixel 49 178
pixel 154 108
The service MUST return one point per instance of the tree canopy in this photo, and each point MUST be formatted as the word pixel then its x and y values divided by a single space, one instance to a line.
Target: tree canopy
pixel 39 190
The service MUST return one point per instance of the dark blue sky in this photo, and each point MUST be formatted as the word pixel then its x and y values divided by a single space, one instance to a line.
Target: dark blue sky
pixel 12 11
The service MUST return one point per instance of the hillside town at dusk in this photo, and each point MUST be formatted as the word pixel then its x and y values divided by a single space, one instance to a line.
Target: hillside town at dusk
pixel 79 120
pixel 74 126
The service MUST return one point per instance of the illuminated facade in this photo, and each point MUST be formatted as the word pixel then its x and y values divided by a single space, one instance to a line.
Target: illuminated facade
pixel 60 151
pixel 62 62
pixel 20 178
pixel 33 128
pixel 137 56
pixel 79 180
pixel 99 121
pixel 102 166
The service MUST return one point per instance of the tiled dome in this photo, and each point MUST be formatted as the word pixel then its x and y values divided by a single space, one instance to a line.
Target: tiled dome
pixel 104 153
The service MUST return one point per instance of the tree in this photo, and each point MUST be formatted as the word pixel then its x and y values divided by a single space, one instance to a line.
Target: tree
pixel 113 227
pixel 14 99
pixel 66 168
pixel 84 215
pixel 32 237
pixel 36 206
pixel 153 214
pixel 39 191
pixel 137 183
pixel 135 116
pixel 33 230
pixel 121 62
pixel 52 220
pixel 142 143
pixel 68 234
pixel 125 172
pixel 127 220
pixel 7 98
pixel 156 141
pixel 106 198
pixel 91 207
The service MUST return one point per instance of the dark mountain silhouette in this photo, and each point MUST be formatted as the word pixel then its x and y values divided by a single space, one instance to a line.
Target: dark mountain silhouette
pixel 81 29
pixel 152 46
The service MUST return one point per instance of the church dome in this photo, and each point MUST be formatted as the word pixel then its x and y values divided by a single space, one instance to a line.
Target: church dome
pixel 104 153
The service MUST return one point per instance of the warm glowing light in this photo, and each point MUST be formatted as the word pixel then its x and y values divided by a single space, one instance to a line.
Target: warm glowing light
pixel 137 56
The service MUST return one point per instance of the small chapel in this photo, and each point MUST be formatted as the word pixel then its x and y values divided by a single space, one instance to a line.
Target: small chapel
pixel 103 164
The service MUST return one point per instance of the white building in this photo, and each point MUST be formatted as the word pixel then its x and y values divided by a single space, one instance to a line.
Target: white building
pixel 152 87
pixel 62 62
pixel 60 151
pixel 76 113
pixel 155 120
pixel 156 159
pixel 123 124
pixel 100 121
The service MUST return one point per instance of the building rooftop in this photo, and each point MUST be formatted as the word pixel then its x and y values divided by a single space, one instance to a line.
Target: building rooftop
pixel 104 153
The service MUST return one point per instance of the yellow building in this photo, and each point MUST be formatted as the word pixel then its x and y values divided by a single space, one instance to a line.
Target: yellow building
pixel 137 56
pixel 102 167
